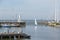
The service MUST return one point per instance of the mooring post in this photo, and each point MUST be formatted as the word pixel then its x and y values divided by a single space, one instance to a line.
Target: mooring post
pixel 10 37
pixel 18 36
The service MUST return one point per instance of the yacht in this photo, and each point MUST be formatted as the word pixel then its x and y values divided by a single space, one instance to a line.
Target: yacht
pixel 56 21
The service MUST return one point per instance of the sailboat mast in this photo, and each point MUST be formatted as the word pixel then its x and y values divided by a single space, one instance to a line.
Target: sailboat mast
pixel 56 11
pixel 19 17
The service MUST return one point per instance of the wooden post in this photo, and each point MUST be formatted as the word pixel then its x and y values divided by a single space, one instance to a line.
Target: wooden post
pixel 18 36
pixel 10 37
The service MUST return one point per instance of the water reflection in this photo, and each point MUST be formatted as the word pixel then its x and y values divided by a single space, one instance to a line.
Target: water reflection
pixel 35 28
pixel 37 32
pixel 15 38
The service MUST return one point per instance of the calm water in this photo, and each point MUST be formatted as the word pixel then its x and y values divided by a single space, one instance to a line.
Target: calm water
pixel 39 32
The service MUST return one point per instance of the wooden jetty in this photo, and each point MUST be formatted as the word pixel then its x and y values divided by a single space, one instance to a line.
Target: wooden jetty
pixel 14 35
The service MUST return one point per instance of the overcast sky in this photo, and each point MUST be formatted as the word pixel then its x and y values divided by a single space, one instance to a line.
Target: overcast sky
pixel 41 9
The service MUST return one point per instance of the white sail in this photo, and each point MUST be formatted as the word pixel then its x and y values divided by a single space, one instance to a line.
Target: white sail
pixel 35 22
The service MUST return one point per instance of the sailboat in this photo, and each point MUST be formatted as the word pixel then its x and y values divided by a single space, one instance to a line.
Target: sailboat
pixel 56 21
pixel 19 18
pixel 35 22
